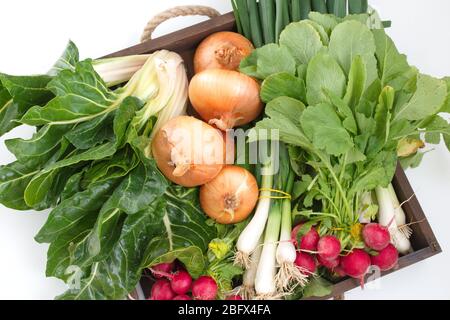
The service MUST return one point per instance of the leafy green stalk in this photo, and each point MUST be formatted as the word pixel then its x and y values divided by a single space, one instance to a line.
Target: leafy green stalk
pixel 88 162
pixel 282 17
pixel 267 14
pixel 319 6
pixel 357 6
pixel 360 107
pixel 295 10
pixel 305 9
pixel 244 19
pixel 236 17
pixel 255 23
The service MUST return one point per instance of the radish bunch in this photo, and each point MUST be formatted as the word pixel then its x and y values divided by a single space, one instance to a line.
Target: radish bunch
pixel 176 284
pixel 326 251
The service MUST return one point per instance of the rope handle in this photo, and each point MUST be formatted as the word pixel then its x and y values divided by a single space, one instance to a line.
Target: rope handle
pixel 176 12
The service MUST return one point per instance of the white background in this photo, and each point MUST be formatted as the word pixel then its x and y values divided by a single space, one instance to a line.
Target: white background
pixel 34 33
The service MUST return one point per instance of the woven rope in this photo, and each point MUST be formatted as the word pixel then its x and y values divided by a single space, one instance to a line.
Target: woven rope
pixel 176 12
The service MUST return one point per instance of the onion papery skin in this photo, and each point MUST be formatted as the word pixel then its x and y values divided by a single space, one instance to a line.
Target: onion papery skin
pixel 225 99
pixel 188 151
pixel 222 50
pixel 231 196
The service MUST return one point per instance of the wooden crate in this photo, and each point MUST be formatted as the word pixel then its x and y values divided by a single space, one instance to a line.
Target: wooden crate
pixel 185 42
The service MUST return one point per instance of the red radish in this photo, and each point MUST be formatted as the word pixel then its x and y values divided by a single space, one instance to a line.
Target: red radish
pixel 329 264
pixel 339 272
pixel 376 236
pixel 306 262
pixel 234 297
pixel 162 269
pixel 308 241
pixel 329 247
pixel 386 258
pixel 204 288
pixel 161 290
pixel 181 282
pixel 356 264
pixel 182 297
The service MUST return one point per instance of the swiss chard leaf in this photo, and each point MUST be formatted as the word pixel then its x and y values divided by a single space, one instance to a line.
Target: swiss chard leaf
pixel 14 179
pixel 17 95
pixel 68 60
pixel 40 148
pixel 58 254
pixel 92 133
pixel 72 210
pixel 81 95
pixel 39 186
pixel 192 257
pixel 140 188
pixel 143 243
pixel 184 225
pixel 136 192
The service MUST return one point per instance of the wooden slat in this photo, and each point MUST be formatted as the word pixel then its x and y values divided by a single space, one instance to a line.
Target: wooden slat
pixel 405 261
pixel 182 40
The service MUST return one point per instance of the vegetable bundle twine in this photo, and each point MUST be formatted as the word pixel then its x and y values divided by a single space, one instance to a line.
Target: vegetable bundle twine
pixel 176 12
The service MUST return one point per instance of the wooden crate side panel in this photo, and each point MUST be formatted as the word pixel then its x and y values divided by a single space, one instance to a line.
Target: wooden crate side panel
pixel 423 235
pixel 181 40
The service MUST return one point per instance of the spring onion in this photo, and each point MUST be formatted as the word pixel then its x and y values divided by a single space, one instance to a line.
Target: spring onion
pixel 295 10
pixel 286 254
pixel 267 14
pixel 255 23
pixel 357 6
pixel 400 217
pixel 319 6
pixel 386 217
pixel 305 9
pixel 248 240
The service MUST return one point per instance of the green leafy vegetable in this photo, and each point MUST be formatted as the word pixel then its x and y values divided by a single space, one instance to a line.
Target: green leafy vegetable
pixel 89 162
pixel 365 108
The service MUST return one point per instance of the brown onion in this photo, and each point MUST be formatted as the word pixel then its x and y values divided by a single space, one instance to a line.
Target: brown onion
pixel 222 50
pixel 231 196
pixel 188 151
pixel 225 98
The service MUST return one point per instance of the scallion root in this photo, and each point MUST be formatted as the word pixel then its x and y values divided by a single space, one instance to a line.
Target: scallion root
pixel 405 230
pixel 244 291
pixel 270 296
pixel 290 276
pixel 242 259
